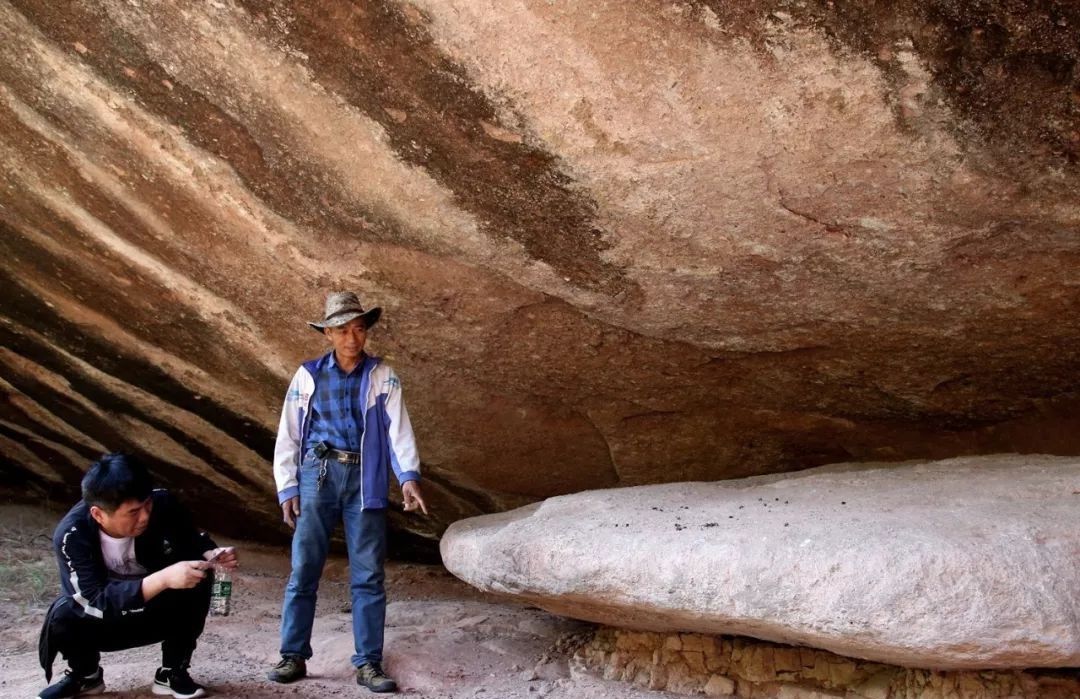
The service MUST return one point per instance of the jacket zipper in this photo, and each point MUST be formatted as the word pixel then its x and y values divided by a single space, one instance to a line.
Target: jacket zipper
pixel 363 435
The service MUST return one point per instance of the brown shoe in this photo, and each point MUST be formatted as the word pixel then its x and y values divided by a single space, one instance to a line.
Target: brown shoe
pixel 371 675
pixel 290 669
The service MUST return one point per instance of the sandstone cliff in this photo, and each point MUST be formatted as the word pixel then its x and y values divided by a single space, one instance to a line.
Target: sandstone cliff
pixel 617 243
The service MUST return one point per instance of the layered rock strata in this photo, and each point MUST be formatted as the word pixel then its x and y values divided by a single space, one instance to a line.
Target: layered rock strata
pixel 617 243
pixel 695 664
pixel 967 563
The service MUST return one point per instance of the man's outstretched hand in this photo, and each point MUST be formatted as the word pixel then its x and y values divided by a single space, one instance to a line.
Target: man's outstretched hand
pixel 410 493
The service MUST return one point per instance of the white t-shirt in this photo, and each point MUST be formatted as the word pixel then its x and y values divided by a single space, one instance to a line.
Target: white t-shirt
pixel 120 557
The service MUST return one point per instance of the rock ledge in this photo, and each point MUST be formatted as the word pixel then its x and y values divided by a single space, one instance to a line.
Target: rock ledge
pixel 967 563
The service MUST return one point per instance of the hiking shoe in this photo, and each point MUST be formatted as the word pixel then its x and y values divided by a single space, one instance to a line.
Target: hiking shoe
pixel 371 675
pixel 71 685
pixel 177 682
pixel 290 669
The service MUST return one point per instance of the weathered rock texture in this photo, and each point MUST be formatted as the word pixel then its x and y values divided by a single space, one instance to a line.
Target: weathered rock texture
pixel 967 563
pixel 740 667
pixel 618 243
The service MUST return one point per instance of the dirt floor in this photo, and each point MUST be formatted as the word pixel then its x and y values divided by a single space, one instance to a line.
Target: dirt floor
pixel 444 639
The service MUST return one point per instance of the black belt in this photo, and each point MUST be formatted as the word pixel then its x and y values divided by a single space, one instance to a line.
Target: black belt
pixel 343 457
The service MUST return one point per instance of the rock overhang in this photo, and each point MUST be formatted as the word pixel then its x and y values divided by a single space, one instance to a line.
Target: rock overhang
pixel 692 241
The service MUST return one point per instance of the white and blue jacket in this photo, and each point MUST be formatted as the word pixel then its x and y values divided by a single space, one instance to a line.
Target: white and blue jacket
pixel 387 443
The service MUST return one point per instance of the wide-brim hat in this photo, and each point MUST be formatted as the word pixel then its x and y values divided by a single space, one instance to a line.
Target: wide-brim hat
pixel 343 306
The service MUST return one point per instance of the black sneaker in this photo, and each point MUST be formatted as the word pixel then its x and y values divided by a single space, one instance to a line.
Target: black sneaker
pixel 290 669
pixel 371 675
pixel 72 686
pixel 177 682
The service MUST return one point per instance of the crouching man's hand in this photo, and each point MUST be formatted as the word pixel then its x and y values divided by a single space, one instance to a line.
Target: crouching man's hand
pixel 224 556
pixel 179 576
pixel 410 493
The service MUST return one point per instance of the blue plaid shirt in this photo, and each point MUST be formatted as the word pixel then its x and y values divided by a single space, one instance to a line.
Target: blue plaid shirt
pixel 335 408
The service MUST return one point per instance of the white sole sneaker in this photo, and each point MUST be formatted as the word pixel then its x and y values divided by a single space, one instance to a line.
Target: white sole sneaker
pixel 166 690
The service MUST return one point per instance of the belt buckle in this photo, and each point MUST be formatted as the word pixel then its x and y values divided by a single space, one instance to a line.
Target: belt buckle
pixel 343 458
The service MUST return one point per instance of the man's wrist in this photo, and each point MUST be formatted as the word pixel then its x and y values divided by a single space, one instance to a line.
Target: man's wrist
pixel 153 585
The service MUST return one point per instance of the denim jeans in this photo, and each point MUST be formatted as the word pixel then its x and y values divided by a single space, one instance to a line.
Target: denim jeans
pixel 321 507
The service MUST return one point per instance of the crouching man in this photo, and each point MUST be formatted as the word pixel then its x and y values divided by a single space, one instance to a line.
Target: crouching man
pixel 134 571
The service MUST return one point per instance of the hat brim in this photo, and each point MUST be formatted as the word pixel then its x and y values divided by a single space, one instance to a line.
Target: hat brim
pixel 371 317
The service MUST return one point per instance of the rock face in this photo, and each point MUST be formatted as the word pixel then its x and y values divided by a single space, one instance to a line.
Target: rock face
pixel 717 666
pixel 617 243
pixel 960 564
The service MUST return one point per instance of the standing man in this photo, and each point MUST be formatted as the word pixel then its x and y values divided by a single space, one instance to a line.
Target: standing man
pixel 343 428
pixel 133 569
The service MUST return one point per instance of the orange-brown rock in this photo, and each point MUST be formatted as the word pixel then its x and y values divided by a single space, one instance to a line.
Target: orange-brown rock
pixel 617 243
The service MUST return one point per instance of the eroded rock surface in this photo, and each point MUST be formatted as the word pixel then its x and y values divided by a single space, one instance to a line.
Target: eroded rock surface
pixel 718 666
pixel 617 243
pixel 964 563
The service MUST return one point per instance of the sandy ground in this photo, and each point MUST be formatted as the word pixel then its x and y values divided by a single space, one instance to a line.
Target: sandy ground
pixel 444 639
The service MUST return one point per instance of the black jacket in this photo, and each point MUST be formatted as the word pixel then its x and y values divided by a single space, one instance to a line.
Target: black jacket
pixel 170 537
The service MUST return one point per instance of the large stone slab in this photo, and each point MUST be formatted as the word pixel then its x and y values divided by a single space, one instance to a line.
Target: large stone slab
pixel 965 563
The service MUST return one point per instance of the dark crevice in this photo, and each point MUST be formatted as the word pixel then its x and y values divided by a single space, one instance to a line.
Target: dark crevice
pixel 482 501
pixel 14 415
pixel 217 507
pixel 27 347
pixel 28 310
pixel 41 449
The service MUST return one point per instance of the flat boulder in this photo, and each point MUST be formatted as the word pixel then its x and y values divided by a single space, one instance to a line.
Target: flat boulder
pixel 966 563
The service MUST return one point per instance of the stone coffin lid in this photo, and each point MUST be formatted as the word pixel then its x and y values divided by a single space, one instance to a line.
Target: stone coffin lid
pixel 964 563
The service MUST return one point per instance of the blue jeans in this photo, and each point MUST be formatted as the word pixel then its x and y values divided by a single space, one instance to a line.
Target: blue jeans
pixel 321 507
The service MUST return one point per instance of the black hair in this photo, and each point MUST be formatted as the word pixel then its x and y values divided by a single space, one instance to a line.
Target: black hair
pixel 114 479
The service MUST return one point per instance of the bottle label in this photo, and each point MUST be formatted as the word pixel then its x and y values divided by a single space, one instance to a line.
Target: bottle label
pixel 222 588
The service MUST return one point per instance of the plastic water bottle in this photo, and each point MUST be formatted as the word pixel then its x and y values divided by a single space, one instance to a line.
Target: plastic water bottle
pixel 220 592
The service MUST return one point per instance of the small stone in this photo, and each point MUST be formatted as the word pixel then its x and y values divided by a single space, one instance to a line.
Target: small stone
pixel 719 686
pixel 692 642
pixel 695 660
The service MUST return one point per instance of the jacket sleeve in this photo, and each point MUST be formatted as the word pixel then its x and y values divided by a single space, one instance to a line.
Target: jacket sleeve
pixel 404 457
pixel 87 580
pixel 287 447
